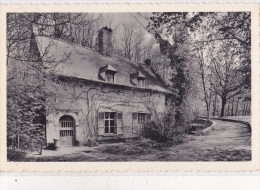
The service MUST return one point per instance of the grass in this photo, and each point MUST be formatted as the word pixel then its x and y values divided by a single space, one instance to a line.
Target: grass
pixel 167 152
pixel 126 152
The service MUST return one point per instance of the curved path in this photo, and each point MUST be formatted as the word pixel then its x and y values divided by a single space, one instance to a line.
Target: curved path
pixel 223 141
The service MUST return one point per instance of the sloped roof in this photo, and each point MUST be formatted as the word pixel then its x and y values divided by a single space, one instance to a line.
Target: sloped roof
pixel 108 68
pixel 81 62
pixel 138 74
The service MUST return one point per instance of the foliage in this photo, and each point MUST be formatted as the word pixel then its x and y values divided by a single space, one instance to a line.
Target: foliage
pixel 26 112
pixel 227 46
pixel 90 142
pixel 15 155
pixel 207 37
pixel 26 85
pixel 164 130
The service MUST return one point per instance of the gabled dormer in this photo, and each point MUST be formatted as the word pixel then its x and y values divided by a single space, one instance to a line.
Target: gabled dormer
pixel 138 79
pixel 107 73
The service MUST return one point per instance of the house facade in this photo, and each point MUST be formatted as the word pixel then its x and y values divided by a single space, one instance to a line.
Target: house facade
pixel 98 95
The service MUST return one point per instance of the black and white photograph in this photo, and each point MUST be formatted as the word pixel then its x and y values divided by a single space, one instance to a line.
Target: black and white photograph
pixel 128 87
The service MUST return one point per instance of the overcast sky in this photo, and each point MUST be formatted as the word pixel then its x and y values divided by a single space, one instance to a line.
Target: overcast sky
pixel 119 19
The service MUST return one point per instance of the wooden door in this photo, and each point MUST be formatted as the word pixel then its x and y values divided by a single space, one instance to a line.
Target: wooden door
pixel 67 131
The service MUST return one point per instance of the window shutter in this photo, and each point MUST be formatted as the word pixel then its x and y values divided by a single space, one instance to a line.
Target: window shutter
pixel 135 123
pixel 148 117
pixel 101 123
pixel 119 123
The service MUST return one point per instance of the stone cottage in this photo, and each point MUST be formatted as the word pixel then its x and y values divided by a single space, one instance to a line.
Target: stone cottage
pixel 98 95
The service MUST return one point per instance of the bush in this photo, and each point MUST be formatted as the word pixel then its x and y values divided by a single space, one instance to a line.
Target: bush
pixel 164 130
pixel 90 142
pixel 15 155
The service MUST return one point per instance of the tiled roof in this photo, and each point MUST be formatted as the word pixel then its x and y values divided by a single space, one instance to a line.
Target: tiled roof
pixel 84 63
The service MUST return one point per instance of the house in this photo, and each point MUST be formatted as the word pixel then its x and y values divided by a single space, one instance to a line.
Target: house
pixel 98 95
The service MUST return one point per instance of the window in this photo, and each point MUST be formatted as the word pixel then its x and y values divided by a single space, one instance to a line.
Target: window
pixel 110 76
pixel 107 73
pixel 138 79
pixel 67 121
pixel 141 121
pixel 141 118
pixel 67 124
pixel 110 123
pixel 66 133
pixel 140 82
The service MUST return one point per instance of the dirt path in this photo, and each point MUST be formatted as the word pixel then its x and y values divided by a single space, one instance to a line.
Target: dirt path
pixel 224 141
pixel 223 134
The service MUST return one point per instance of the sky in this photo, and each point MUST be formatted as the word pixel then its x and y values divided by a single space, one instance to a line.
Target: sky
pixel 119 19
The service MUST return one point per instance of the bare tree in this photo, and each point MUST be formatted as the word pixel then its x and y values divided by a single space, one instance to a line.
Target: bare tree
pixel 204 72
pixel 228 79
pixel 130 41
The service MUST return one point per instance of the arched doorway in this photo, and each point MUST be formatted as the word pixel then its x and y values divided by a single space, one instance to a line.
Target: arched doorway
pixel 67 131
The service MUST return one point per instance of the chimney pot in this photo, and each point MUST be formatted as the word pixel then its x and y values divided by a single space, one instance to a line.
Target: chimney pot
pixel 147 62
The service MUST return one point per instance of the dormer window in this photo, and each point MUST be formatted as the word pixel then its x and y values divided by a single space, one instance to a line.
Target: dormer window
pixel 110 76
pixel 138 79
pixel 107 73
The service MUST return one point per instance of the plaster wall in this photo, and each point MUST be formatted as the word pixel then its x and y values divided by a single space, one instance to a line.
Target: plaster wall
pixel 84 100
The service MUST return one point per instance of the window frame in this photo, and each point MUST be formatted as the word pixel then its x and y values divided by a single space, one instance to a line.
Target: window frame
pixel 111 73
pixel 141 82
pixel 141 117
pixel 109 119
pixel 67 126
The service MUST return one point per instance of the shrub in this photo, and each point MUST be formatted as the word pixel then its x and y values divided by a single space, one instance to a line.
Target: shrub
pixel 164 130
pixel 15 155
pixel 90 142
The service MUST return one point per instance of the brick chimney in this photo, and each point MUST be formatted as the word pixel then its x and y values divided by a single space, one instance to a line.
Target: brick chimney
pixel 105 41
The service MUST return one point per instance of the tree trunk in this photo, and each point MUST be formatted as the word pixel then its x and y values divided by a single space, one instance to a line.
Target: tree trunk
pixel 207 111
pixel 244 106
pixel 210 96
pixel 223 103
pixel 40 149
pixel 237 106
pixel 232 110
pixel 228 108
pixel 249 108
pixel 214 108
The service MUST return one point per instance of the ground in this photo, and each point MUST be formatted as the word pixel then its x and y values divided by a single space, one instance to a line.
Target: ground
pixel 223 141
